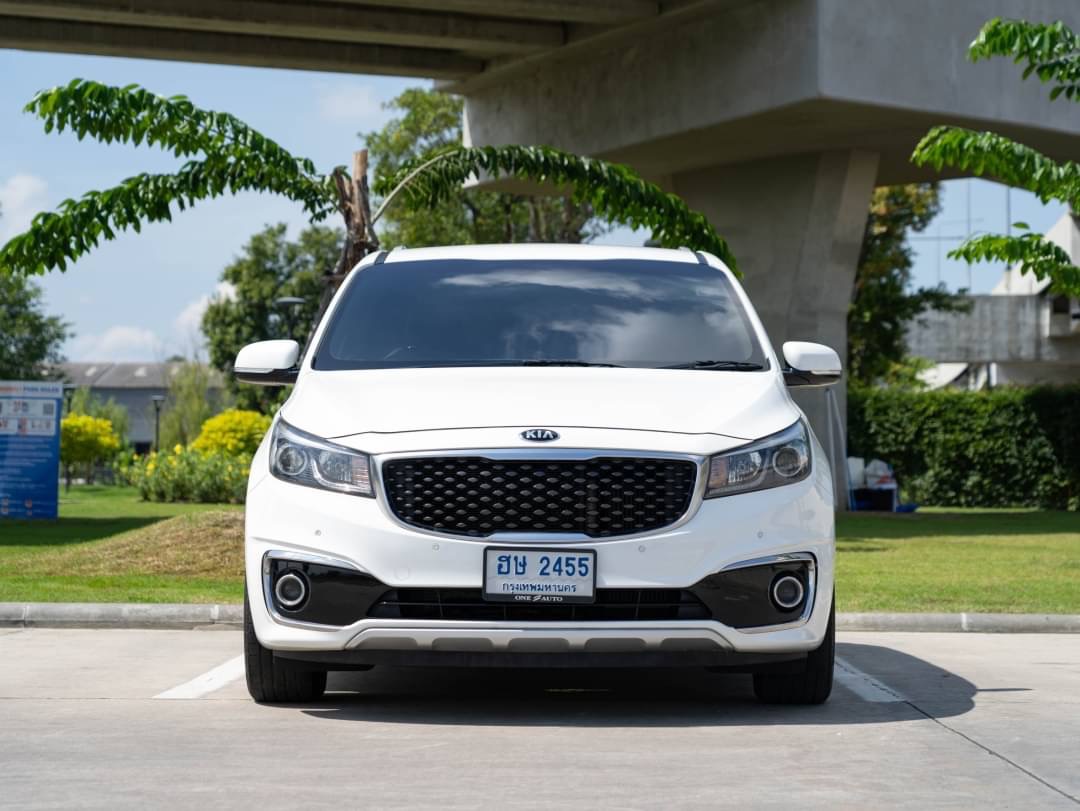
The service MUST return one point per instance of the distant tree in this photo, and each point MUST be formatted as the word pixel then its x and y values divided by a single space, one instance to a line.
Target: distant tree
pixel 883 303
pixel 270 267
pixel 30 341
pixel 1051 52
pixel 429 122
pixel 189 403
pixel 84 401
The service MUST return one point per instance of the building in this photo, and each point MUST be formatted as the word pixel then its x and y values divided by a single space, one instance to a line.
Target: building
pixel 132 385
pixel 1019 334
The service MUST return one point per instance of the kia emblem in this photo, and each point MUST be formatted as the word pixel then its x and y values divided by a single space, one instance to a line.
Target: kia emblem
pixel 539 435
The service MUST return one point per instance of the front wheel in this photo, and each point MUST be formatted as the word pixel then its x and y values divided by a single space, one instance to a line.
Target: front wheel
pixel 272 681
pixel 811 686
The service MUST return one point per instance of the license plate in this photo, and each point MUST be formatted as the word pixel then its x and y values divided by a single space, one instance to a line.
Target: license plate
pixel 514 575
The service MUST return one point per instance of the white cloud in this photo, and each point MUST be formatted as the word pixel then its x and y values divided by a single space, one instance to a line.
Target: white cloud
pixel 188 324
pixel 21 197
pixel 347 102
pixel 118 343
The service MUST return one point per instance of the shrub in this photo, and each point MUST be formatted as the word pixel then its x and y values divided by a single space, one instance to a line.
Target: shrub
pixel 234 432
pixel 998 448
pixel 85 441
pixel 84 401
pixel 189 475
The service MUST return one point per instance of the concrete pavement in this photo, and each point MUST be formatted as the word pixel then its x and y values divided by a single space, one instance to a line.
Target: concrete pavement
pixel 932 720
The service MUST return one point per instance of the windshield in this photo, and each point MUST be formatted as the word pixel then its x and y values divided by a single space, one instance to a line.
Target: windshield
pixel 538 312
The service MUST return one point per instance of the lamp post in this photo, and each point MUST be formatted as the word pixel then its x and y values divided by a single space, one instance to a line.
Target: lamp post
pixel 158 399
pixel 69 394
pixel 287 305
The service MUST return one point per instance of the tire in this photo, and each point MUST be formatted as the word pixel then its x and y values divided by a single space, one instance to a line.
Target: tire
pixel 272 681
pixel 813 685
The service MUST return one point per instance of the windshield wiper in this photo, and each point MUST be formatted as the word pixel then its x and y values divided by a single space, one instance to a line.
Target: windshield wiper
pixel 726 365
pixel 568 363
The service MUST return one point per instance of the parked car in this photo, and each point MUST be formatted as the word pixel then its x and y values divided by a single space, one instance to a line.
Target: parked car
pixel 540 455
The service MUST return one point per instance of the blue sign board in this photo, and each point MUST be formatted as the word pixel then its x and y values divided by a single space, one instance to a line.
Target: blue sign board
pixel 29 448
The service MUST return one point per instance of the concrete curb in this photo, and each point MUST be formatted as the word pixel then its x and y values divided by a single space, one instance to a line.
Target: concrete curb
pixel 119 615
pixel 158 615
pixel 962 623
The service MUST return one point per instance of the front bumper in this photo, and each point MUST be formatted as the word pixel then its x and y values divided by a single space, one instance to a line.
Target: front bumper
pixel 298 523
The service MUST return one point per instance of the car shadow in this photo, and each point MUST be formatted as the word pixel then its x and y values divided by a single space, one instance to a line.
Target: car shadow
pixel 628 698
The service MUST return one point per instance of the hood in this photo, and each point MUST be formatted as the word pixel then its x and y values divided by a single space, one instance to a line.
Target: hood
pixel 741 405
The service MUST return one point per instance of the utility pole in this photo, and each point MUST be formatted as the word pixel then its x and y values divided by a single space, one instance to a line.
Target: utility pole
pixel 157 399
pixel 967 234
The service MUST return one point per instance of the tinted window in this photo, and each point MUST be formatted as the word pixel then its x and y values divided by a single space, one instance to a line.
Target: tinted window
pixel 454 312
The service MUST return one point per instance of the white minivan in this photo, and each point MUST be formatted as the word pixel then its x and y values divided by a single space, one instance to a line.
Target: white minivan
pixel 539 456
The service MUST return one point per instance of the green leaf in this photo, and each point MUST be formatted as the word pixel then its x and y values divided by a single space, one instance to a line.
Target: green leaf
pixel 1032 252
pixel 987 153
pixel 1050 51
pixel 234 158
pixel 615 192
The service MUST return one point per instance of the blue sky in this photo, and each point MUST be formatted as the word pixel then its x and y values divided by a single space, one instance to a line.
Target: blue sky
pixel 141 296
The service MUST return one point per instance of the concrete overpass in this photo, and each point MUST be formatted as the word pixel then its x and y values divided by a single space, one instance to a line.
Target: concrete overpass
pixel 441 39
pixel 774 117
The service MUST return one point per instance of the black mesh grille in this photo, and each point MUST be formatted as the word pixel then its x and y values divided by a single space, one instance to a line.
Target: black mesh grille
pixel 612 605
pixel 469 495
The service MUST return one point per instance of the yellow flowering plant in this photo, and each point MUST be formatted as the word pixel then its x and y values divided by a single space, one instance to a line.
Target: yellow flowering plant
pixel 234 432
pixel 185 474
pixel 213 468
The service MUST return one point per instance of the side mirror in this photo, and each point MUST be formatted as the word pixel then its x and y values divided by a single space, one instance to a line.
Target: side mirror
pixel 267 363
pixel 811 364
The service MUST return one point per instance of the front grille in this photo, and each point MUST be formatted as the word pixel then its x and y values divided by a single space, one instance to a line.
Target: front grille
pixel 600 497
pixel 612 605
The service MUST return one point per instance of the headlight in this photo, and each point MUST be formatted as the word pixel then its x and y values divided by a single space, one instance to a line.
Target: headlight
pixel 301 458
pixel 780 459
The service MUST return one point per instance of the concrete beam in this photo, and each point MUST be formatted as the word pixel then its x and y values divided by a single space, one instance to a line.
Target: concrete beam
pixel 344 23
pixel 582 11
pixel 745 81
pixel 231 49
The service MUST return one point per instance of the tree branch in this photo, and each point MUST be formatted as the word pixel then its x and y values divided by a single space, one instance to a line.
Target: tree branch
pixel 615 192
pixel 1034 253
pixel 1050 51
pixel 987 153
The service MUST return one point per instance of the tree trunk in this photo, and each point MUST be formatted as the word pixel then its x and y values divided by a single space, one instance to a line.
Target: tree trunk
pixel 354 202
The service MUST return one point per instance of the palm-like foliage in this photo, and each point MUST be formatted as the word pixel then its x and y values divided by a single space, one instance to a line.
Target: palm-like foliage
pixel 233 157
pixel 1051 52
pixel 226 156
pixel 615 192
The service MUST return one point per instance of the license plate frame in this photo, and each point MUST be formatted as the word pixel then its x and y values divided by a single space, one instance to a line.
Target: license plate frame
pixel 534 597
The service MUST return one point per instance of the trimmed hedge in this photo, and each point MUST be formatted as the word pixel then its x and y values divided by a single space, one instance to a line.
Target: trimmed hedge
pixel 1008 447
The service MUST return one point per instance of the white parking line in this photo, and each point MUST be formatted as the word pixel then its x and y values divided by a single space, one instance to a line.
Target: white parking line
pixel 864 685
pixel 209 681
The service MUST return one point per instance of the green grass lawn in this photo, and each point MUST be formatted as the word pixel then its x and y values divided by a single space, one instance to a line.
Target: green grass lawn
pixel 1011 561
pixel 108 546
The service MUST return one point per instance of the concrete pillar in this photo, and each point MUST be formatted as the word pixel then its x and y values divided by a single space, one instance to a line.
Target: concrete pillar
pixel 796 225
